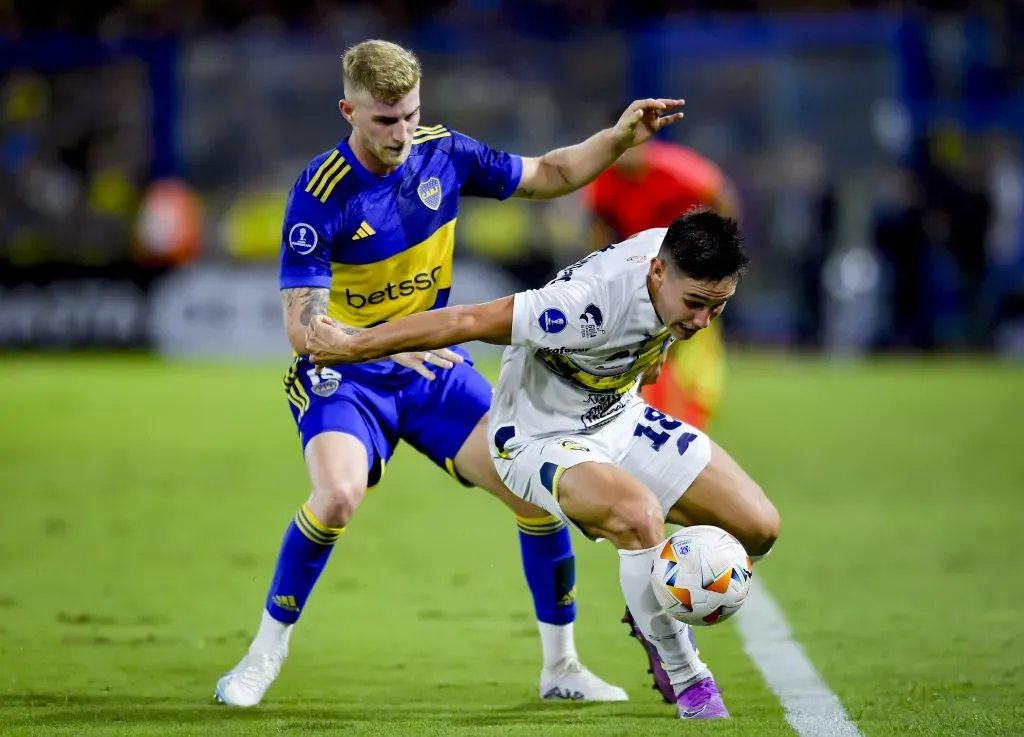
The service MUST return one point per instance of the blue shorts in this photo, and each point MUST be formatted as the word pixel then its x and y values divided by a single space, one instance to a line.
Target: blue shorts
pixel 435 417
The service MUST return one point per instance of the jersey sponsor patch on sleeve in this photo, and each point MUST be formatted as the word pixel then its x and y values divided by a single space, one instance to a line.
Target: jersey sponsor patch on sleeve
pixel 591 321
pixel 552 320
pixel 302 238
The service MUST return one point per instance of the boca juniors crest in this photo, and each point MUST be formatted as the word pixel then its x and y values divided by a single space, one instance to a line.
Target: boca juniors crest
pixel 430 193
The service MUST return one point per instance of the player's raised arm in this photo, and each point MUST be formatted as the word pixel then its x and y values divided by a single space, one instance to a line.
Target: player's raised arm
pixel 565 170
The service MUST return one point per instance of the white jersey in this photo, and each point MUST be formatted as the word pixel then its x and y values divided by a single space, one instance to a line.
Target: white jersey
pixel 581 343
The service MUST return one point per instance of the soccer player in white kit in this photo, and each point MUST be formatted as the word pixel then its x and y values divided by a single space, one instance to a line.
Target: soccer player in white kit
pixel 570 432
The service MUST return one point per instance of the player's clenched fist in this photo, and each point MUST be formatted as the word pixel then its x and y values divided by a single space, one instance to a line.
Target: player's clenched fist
pixel 325 340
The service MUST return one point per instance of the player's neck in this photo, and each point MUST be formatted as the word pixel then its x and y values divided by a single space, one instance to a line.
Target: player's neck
pixel 370 162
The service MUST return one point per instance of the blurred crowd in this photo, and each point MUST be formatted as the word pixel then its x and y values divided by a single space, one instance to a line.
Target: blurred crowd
pixel 550 18
pixel 884 171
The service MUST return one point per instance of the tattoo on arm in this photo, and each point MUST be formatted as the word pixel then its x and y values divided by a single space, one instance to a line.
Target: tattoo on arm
pixel 312 300
pixel 314 303
pixel 305 303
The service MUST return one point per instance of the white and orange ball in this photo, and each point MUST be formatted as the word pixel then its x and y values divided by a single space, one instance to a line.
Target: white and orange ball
pixel 701 575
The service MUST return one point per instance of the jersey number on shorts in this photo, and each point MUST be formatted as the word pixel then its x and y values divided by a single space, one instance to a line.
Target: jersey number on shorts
pixel 658 439
pixel 325 375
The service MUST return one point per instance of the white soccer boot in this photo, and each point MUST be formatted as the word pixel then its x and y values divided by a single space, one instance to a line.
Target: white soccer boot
pixel 247 682
pixel 571 681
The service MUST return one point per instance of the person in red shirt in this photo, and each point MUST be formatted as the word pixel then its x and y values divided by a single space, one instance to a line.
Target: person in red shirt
pixel 649 187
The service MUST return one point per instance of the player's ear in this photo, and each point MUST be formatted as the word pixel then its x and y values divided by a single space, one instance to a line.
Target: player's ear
pixel 345 107
pixel 658 270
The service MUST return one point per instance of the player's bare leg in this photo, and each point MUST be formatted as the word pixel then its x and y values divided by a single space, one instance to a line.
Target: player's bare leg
pixel 724 495
pixel 337 465
pixel 609 503
pixel 562 675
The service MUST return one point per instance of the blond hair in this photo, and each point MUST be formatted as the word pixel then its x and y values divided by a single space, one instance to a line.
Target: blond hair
pixel 384 69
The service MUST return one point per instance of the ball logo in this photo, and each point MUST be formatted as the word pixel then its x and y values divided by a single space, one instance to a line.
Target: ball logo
pixel 302 239
pixel 552 320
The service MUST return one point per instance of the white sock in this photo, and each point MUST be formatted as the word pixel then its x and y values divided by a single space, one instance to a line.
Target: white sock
pixel 558 643
pixel 668 634
pixel 272 635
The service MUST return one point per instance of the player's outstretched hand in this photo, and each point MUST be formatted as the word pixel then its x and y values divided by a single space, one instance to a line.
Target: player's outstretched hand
pixel 643 118
pixel 442 358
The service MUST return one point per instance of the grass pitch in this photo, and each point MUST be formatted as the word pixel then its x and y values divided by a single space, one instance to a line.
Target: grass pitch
pixel 141 506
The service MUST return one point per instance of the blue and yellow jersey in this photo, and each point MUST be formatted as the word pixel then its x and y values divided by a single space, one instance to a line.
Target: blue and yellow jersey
pixel 383 244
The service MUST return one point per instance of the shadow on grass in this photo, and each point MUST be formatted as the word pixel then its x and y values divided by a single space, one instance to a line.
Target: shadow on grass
pixel 125 710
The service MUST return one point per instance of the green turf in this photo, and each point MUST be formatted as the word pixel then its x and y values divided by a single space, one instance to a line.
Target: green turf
pixel 141 505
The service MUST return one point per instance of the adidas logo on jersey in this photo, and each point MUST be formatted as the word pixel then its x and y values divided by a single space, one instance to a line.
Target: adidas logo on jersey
pixel 365 231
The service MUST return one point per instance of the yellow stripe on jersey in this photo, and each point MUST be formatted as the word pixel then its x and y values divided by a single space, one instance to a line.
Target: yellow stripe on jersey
pixel 323 167
pixel 430 137
pixel 403 284
pixel 649 354
pixel 327 176
pixel 334 182
pixel 424 134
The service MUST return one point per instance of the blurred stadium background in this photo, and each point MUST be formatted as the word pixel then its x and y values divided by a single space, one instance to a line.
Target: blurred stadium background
pixel 876 151
pixel 146 149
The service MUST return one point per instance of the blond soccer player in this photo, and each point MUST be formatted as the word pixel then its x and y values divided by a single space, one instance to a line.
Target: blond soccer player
pixel 367 238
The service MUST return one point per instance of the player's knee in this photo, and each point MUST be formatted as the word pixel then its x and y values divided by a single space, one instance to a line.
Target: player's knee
pixel 762 528
pixel 635 524
pixel 335 503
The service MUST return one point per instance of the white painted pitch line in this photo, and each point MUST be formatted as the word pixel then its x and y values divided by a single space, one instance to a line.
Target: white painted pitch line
pixel 811 707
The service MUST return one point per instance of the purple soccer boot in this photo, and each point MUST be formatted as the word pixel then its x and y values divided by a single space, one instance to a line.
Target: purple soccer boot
pixel 702 700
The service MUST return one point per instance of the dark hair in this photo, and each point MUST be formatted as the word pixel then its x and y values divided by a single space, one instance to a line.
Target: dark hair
pixel 704 245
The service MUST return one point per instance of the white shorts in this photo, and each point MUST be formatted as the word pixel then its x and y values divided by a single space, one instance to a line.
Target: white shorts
pixel 664 454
